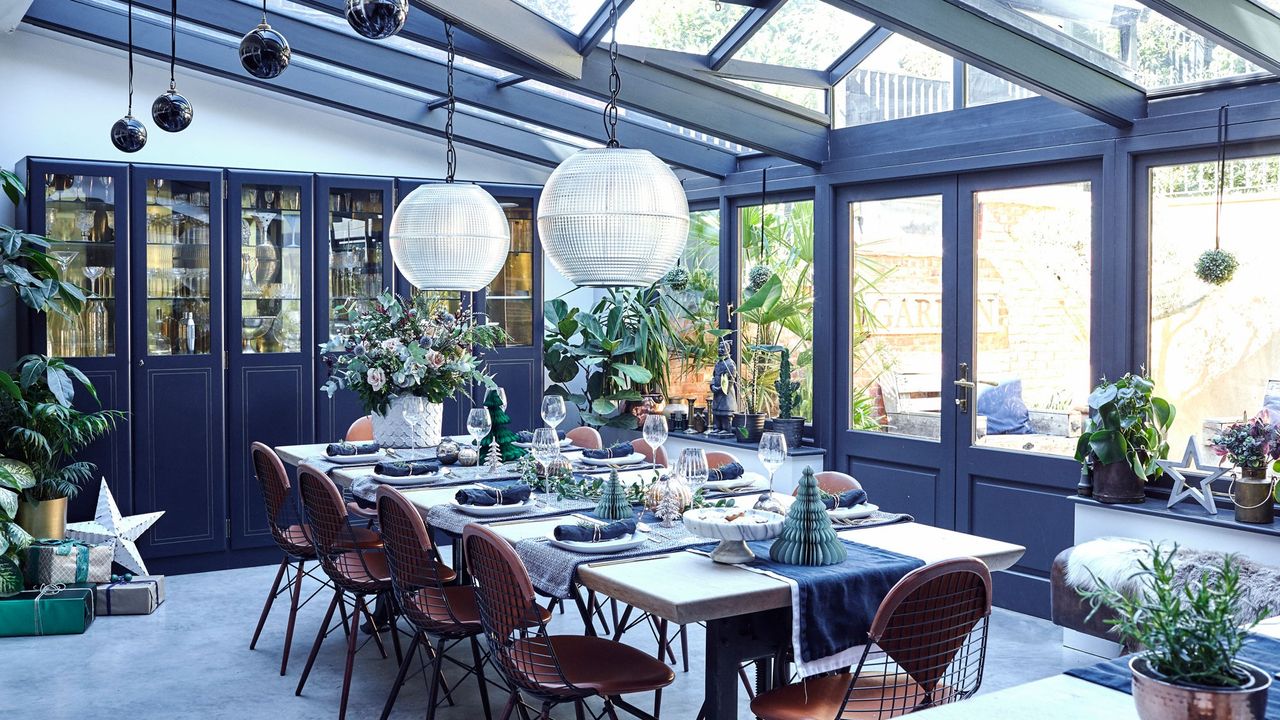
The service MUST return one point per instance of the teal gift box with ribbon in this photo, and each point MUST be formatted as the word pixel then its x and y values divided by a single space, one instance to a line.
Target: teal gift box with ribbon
pixel 67 562
pixel 50 610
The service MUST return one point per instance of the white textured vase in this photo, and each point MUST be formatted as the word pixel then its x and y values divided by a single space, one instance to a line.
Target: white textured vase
pixel 392 430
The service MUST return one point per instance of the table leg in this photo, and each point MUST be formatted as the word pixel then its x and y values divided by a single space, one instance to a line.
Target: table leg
pixel 732 641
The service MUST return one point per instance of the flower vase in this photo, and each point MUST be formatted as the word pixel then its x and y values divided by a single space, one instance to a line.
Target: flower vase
pixel 393 430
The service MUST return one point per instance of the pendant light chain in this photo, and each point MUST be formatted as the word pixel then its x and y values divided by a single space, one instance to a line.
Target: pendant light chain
pixel 173 44
pixel 1222 176
pixel 615 80
pixel 450 154
pixel 130 59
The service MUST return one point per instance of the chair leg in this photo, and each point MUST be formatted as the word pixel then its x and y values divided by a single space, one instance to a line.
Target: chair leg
pixel 608 708
pixel 437 658
pixel 395 628
pixel 271 598
pixel 511 706
pixel 293 616
pixel 579 712
pixel 352 639
pixel 362 606
pixel 404 670
pixel 546 711
pixel 315 647
pixel 478 659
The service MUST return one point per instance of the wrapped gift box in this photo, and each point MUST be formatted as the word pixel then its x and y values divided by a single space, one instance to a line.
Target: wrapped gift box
pixel 48 611
pixel 139 596
pixel 66 562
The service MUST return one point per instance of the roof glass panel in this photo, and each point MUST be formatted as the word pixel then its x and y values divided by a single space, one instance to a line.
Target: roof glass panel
pixel 983 88
pixel 806 97
pixel 572 15
pixel 693 26
pixel 1141 44
pixel 900 79
pixel 1272 5
pixel 805 33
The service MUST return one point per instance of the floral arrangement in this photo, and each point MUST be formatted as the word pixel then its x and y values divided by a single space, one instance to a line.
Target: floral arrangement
pixel 407 348
pixel 1249 444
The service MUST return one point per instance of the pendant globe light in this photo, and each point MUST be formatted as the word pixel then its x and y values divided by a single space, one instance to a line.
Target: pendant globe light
pixel 613 217
pixel 264 52
pixel 447 236
pixel 129 134
pixel 377 19
pixel 172 112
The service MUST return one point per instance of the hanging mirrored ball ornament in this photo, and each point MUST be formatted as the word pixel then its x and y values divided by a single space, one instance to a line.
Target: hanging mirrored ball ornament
pixel 264 52
pixel 129 134
pixel 377 19
pixel 172 112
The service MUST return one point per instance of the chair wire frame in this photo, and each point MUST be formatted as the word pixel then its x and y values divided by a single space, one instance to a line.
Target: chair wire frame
pixel 928 642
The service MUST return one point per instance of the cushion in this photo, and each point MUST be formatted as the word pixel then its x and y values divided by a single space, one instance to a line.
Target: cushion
pixel 1006 412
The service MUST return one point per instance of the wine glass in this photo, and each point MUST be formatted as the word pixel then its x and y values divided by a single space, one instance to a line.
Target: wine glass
pixel 92 273
pixel 692 466
pixel 415 413
pixel 545 447
pixel 478 424
pixel 553 410
pixel 655 432
pixel 772 453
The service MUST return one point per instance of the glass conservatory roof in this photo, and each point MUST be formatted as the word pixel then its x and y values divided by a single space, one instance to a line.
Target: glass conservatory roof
pixel 572 15
pixel 805 33
pixel 692 26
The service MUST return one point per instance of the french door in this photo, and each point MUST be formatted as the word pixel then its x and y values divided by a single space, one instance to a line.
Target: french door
pixel 967 306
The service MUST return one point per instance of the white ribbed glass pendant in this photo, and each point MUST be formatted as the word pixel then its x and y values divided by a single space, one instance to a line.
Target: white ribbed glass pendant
pixel 449 236
pixel 613 217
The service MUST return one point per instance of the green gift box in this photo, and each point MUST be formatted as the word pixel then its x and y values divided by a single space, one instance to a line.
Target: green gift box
pixel 47 611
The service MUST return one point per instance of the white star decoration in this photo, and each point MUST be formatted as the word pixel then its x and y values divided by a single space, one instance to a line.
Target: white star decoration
pixel 1181 491
pixel 108 528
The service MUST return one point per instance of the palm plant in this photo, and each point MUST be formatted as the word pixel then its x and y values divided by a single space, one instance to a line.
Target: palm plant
pixel 44 430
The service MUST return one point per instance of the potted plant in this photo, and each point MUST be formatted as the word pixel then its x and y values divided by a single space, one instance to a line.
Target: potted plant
pixel 14 478
pixel 1251 446
pixel 26 267
pixel 1124 436
pixel 44 430
pixel 397 350
pixel 788 390
pixel 1190 637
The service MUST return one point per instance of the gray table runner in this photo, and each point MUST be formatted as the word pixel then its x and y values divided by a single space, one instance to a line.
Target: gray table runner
pixel 450 519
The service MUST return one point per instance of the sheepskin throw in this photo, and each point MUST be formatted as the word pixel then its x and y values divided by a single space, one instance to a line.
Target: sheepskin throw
pixel 1115 561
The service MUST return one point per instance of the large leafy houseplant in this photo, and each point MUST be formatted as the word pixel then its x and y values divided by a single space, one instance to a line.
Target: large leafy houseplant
pixel 42 428
pixel 15 477
pixel 400 348
pixel 767 315
pixel 26 267
pixel 620 348
pixel 1127 427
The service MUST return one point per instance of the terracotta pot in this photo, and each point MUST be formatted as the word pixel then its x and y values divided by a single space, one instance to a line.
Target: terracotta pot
pixel 43 520
pixel 1158 699
pixel 1117 483
pixel 1251 493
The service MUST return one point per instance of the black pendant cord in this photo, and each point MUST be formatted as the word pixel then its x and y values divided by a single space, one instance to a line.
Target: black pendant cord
pixel 1222 176
pixel 615 80
pixel 764 174
pixel 173 45
pixel 264 12
pixel 130 113
pixel 450 154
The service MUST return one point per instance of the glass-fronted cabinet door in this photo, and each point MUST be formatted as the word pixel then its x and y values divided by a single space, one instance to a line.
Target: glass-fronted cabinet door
pixel 81 208
pixel 270 372
pixel 178 378
pixel 353 265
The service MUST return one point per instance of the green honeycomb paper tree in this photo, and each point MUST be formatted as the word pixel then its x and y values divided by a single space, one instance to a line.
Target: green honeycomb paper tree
pixel 498 430
pixel 807 535
pixel 613 502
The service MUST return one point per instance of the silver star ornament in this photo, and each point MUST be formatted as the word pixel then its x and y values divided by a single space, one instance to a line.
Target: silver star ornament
pixel 1202 494
pixel 118 533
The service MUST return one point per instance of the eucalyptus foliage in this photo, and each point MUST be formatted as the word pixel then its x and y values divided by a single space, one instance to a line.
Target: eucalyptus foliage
pixel 26 267
pixel 1192 634
pixel 1127 424
pixel 43 428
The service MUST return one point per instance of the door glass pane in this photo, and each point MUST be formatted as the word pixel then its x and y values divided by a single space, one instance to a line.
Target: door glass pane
pixel 509 300
pixel 786 253
pixel 1031 315
pixel 692 297
pixel 270 268
pixel 1214 349
pixel 355 252
pixel 177 227
pixel 80 219
pixel 895 311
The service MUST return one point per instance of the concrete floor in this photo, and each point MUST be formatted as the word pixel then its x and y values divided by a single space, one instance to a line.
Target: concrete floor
pixel 191 660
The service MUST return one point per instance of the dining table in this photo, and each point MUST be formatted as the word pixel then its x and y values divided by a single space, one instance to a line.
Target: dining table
pixel 747 614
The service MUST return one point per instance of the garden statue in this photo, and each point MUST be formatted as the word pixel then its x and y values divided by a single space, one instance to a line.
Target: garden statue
pixel 724 392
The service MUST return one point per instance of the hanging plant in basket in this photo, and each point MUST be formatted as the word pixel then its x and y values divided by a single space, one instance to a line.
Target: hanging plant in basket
pixel 1216 267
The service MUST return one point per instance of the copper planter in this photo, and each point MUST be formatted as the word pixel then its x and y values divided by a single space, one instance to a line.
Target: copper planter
pixel 1157 699
pixel 1117 483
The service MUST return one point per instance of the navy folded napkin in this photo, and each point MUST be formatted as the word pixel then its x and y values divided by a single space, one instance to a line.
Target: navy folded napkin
pixel 510 495
pixel 728 471
pixel 617 450
pixel 591 532
pixel 405 469
pixel 846 499
pixel 524 436
pixel 345 448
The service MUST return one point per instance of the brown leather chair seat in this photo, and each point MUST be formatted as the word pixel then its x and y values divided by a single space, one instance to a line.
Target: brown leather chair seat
pixel 821 698
pixel 365 538
pixel 598 664
pixel 365 567
pixel 462 601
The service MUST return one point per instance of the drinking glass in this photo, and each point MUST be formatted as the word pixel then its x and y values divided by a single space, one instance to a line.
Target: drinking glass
pixel 692 466
pixel 545 447
pixel 772 454
pixel 553 410
pixel 478 424
pixel 415 413
pixel 655 432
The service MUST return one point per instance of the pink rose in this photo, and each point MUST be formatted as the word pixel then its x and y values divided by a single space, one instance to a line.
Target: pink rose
pixel 435 359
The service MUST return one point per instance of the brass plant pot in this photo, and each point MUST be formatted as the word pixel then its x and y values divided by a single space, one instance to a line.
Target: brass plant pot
pixel 1117 483
pixel 1251 494
pixel 1158 699
pixel 45 519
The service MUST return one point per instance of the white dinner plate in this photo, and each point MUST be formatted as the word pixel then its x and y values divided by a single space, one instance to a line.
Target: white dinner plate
pixel 749 480
pixel 564 443
pixel 631 459
pixel 605 547
pixel 406 479
pixel 853 513
pixel 494 510
pixel 366 459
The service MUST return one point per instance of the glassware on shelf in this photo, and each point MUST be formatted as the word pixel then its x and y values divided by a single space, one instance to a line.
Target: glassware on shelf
pixel 64 258
pixel 254 329
pixel 84 223
pixel 191 334
pixel 160 344
pixel 92 273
